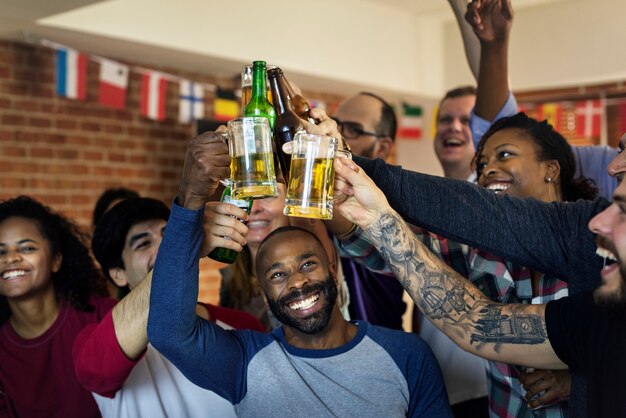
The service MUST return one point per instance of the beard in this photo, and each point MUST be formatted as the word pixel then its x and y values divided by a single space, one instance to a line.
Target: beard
pixel 613 300
pixel 315 322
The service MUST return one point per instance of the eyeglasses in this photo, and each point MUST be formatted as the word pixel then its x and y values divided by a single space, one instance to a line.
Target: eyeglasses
pixel 353 130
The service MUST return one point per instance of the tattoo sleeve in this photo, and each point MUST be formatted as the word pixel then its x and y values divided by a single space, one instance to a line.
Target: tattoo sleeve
pixel 452 302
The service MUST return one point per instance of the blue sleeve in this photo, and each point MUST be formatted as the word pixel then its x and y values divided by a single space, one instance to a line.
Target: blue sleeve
pixel 206 354
pixel 479 125
pixel 428 397
pixel 549 237
pixel 592 163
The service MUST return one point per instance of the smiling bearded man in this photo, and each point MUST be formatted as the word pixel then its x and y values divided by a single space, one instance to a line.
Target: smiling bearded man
pixel 316 363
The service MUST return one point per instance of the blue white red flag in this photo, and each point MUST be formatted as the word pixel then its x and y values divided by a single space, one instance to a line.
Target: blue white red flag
pixel 71 74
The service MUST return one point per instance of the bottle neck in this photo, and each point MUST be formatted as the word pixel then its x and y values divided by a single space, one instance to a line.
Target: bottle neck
pixel 282 104
pixel 259 88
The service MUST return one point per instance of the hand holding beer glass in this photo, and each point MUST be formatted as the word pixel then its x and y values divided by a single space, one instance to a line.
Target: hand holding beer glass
pixel 311 177
pixel 252 160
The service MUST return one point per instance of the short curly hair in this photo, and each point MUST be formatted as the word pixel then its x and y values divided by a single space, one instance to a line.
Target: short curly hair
pixel 78 277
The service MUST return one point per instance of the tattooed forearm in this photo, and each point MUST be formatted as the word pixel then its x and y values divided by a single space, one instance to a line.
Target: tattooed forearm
pixel 439 291
pixel 448 299
pixel 495 325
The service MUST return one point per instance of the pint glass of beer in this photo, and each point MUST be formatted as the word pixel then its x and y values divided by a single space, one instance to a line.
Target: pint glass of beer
pixel 251 158
pixel 311 177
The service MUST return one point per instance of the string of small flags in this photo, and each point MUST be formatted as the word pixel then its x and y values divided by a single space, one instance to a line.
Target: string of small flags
pixel 71 82
pixel 582 117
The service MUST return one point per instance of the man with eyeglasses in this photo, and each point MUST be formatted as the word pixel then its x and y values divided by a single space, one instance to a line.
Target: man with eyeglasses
pixel 368 124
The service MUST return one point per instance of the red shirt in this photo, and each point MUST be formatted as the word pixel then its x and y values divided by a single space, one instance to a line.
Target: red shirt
pixel 37 375
pixel 102 367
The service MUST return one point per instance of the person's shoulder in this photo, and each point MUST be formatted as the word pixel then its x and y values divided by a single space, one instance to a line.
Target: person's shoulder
pixel 102 304
pixel 395 337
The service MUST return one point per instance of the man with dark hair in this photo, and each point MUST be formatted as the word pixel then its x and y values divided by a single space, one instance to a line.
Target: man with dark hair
pixel 108 199
pixel 368 123
pixel 113 358
pixel 453 139
pixel 317 363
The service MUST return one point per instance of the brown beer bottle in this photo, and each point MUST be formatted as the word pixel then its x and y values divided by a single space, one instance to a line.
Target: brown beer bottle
pixel 300 105
pixel 287 121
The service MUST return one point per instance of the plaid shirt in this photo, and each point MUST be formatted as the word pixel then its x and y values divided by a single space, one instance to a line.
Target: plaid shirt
pixel 499 280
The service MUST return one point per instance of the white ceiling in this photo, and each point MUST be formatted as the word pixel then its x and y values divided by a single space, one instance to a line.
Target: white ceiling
pixel 441 8
pixel 18 20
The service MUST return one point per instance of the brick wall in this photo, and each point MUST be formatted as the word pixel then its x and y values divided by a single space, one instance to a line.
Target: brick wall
pixel 66 152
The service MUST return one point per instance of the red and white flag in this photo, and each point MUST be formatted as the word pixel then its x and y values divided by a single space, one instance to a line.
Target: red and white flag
pixel 589 118
pixel 113 84
pixel 153 85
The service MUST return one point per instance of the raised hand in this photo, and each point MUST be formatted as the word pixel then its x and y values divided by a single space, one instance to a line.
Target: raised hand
pixel 491 20
pixel 555 384
pixel 206 163
pixel 223 227
pixel 362 200
pixel 326 125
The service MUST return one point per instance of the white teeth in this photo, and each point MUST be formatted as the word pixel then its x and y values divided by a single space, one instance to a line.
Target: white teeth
pixel 498 187
pixel 604 253
pixel 453 142
pixel 258 223
pixel 305 304
pixel 12 274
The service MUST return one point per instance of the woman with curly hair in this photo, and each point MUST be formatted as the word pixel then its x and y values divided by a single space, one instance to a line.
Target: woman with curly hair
pixel 50 289
pixel 520 157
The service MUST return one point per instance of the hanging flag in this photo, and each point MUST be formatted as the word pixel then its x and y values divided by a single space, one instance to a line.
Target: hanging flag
pixel 410 122
pixel 191 102
pixel 153 85
pixel 225 106
pixel 589 118
pixel 552 113
pixel 113 84
pixel 71 75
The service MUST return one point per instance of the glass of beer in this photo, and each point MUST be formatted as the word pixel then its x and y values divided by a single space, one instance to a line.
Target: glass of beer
pixel 251 158
pixel 311 177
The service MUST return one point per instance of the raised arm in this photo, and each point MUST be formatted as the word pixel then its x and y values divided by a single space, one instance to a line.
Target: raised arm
pixel 104 354
pixel 512 333
pixel 203 352
pixel 491 21
pixel 551 238
pixel 471 43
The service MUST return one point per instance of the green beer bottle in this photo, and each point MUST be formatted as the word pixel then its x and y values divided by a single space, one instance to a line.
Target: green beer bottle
pixel 259 105
pixel 226 255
